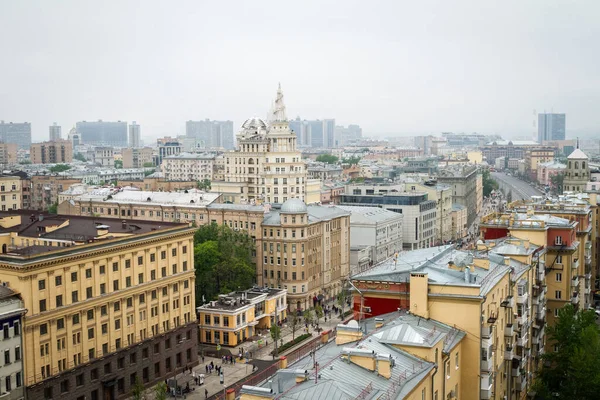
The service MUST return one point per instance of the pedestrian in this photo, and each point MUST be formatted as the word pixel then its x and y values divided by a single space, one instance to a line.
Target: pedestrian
pixel 205 393
pixel 206 369
pixel 203 359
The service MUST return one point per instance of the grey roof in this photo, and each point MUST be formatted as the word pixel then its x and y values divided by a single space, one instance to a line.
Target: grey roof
pixel 365 215
pixel 293 206
pixel 315 214
pixel 240 207
pixel 577 154
pixel 5 292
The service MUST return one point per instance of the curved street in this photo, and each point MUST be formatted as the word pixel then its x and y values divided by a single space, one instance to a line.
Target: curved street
pixel 521 190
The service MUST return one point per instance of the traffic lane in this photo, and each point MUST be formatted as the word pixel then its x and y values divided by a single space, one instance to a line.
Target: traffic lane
pixel 523 189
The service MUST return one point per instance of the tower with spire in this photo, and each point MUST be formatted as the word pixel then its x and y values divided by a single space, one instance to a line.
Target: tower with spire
pixel 266 167
pixel 578 171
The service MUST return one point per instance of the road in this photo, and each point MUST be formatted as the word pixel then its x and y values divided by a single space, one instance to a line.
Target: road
pixel 520 190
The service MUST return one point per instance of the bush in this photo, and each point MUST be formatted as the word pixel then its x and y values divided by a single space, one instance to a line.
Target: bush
pixel 349 312
pixel 291 343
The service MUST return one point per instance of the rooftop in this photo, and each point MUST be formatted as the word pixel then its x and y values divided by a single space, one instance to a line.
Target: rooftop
pixel 191 156
pixel 189 197
pixel 236 300
pixel 368 215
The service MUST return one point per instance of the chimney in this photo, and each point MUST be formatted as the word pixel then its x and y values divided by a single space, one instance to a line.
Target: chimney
pixel 467 274
pixel 384 365
pixel 506 260
pixel 40 217
pixel 124 224
pixel 419 298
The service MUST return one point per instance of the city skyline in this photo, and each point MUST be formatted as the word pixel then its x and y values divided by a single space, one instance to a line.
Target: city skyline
pixel 410 63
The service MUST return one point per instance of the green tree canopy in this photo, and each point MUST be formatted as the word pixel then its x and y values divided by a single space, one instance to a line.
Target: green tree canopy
pixel 59 168
pixel 222 260
pixel 556 181
pixel 53 209
pixel 489 183
pixel 148 165
pixel 149 172
pixel 118 164
pixel 204 184
pixel 352 160
pixel 572 371
pixel 327 158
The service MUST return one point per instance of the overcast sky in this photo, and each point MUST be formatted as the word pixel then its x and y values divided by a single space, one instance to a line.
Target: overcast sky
pixel 394 67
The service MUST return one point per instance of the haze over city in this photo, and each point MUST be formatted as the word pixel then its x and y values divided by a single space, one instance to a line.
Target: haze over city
pixel 395 68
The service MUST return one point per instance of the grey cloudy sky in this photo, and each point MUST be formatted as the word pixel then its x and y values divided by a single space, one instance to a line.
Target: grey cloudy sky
pixel 394 67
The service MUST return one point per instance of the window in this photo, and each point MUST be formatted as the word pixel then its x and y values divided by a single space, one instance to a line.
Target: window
pixel 42 284
pixel 103 288
pixel 456 360
pixel 73 276
pixel 74 296
pixel 558 294
pixel 90 315
pixel 117 324
pixel 558 277
pixel 127 281
pixel 75 319
pixel 90 333
pixel 6 356
pixel 447 369
pixel 88 273
pixel 174 268
pixel 140 260
pixel 127 263
pixel 60 323
pixel 17 354
pixel 79 380
pixel 173 252
pixel 102 269
pixel 116 285
pixel 42 305
pixel 58 280
pixel 163 255
pixel 59 300
pixel 115 267
pixel 117 306
pixel 88 293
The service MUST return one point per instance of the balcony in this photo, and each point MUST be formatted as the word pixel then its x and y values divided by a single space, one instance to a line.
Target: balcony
pixel 541 275
pixel 509 353
pixel 516 372
pixel 509 302
pixel 521 382
pixel 587 290
pixel 540 315
pixel 488 365
pixel 522 341
pixel 486 332
pixel 535 299
pixel 523 318
pixel 523 296
pixel 575 263
pixel 575 282
pixel 486 387
pixel 509 330
pixel 575 299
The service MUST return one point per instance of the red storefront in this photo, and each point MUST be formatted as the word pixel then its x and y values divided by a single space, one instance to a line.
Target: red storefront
pixel 380 297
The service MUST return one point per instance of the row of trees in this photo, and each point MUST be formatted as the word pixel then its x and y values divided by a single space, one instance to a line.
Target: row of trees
pixel 331 159
pixel 489 183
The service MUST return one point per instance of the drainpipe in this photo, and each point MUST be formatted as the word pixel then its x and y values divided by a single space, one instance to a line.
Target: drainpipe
pixel 435 368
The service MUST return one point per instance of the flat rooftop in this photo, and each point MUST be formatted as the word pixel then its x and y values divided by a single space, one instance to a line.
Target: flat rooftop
pixel 190 197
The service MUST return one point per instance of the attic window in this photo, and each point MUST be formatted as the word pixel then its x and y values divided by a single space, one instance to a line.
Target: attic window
pixel 191 201
pixel 148 199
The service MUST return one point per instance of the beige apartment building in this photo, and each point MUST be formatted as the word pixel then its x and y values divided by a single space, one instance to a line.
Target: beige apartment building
pixel 266 167
pixel 45 189
pixel 136 157
pixel 8 153
pixel 442 194
pixel 108 302
pixel 53 152
pixel 10 193
pixel 188 167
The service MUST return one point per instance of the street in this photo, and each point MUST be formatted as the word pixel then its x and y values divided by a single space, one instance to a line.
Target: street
pixel 521 190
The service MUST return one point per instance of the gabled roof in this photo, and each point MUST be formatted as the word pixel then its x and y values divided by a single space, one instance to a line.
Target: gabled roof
pixel 577 154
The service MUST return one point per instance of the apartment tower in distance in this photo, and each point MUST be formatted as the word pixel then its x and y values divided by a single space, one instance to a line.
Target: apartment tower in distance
pixel 266 167
pixel 17 133
pixel 211 134
pixel 108 302
pixel 134 135
pixel 52 152
pixel 551 127
pixel 55 132
pixel 103 133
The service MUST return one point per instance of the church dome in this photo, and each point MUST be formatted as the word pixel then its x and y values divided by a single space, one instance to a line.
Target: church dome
pixel 293 206
pixel 254 123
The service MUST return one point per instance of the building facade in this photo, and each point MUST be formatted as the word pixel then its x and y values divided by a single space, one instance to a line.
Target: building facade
pixel 102 313
pixel 188 167
pixel 102 155
pixel 103 133
pixel 211 134
pixel 55 132
pixel 45 189
pixel 8 153
pixel 18 133
pixel 12 378
pixel 266 167
pixel 375 227
pixel 135 133
pixel 11 193
pixel 463 181
pixel 577 173
pixel 137 157
pixel 551 126
pixel 53 152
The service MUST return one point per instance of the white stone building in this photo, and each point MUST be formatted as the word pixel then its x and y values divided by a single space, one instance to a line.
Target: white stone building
pixel 188 166
pixel 377 227
pixel 11 345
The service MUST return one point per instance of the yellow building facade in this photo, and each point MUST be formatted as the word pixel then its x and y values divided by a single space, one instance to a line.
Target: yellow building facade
pixel 107 302
pixel 11 194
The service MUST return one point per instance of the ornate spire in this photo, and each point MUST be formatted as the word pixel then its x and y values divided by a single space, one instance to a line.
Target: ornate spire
pixel 278 110
pixel 577 141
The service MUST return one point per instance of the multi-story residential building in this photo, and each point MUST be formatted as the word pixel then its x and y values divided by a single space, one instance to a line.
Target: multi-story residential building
pixel 547 170
pixel 167 146
pixel 18 133
pixel 237 316
pixel 419 213
pixel 44 190
pixel 135 133
pixel 107 302
pixel 8 153
pixel 53 152
pixel 534 157
pixel 188 167
pixel 442 195
pixel 55 132
pixel 137 157
pixel 331 192
pixel 157 183
pixel 323 171
pixel 305 250
pixel 12 378
pixel 104 156
pixel 266 167
pixel 507 148
pixel 348 135
pixel 577 173
pixel 361 258
pixel 463 181
pixel 486 294
pixel 11 193
pixel 375 227
pixel 211 134
pixel 103 133
pixel 551 126
pixel 459 221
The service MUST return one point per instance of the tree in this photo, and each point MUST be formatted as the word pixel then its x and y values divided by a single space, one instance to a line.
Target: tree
pixel 148 165
pixel 572 371
pixel 25 162
pixel 222 261
pixel 556 181
pixel 294 322
pixel 138 390
pixel 275 335
pixel 318 312
pixel 204 184
pixel 342 299
pixel 509 197
pixel 53 209
pixel 59 168
pixel 149 172
pixel 489 184
pixel 352 160
pixel 327 158
pixel 308 316
pixel 118 164
pixel 160 391
pixel 79 156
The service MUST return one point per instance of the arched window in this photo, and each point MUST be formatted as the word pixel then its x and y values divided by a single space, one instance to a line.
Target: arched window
pixel 569 164
pixel 576 164
pixel 583 164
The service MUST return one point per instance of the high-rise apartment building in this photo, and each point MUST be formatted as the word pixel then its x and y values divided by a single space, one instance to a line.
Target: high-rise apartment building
pixel 8 153
pixel 317 133
pixel 136 157
pixel 348 135
pixel 103 133
pixel 52 152
pixel 267 167
pixel 17 133
pixel 551 126
pixel 134 135
pixel 55 132
pixel 211 134
pixel 108 303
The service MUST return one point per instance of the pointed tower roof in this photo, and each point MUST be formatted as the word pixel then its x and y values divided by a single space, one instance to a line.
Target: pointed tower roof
pixel 278 110
pixel 577 154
